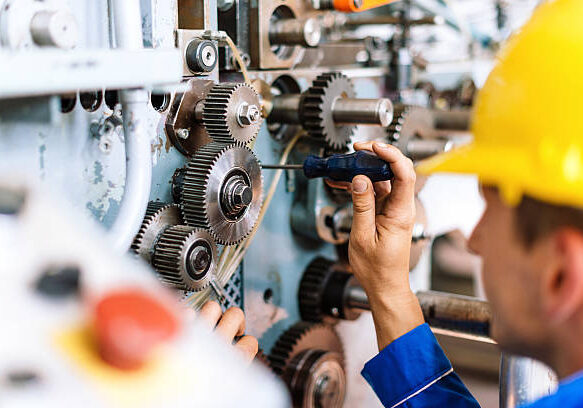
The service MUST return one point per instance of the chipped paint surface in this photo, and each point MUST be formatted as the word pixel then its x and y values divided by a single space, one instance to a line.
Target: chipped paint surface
pixel 104 192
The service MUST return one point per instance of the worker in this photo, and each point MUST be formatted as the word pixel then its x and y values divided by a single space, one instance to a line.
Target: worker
pixel 528 155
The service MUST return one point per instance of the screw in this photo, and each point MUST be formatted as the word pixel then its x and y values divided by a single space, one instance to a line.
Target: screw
pixel 183 133
pixel 248 114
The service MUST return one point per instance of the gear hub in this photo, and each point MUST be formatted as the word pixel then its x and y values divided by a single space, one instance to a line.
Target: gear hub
pixel 231 113
pixel 310 359
pixel 221 191
pixel 185 257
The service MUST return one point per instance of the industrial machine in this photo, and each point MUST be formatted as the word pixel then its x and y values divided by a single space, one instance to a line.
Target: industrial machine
pixel 154 119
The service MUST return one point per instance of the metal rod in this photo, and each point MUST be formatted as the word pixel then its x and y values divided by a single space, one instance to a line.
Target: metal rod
pixel 382 20
pixel 286 109
pixel 419 149
pixel 283 166
pixel 347 111
pixel 444 310
pixel 306 33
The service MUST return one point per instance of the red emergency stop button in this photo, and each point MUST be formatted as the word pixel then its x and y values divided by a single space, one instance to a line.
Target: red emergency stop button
pixel 128 324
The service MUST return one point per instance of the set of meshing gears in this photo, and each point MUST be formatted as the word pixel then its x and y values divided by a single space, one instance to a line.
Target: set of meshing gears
pixel 309 357
pixel 184 257
pixel 222 191
pixel 316 109
pixel 231 113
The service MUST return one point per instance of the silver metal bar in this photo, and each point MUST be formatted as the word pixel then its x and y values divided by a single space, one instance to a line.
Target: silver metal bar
pixel 286 109
pixel 348 111
pixel 306 33
pixel 419 149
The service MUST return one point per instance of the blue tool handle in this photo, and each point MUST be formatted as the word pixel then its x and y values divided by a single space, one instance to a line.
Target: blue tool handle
pixel 344 167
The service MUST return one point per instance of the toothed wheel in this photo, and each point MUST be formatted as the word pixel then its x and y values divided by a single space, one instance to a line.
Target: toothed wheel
pixel 311 289
pixel 232 113
pixel 310 359
pixel 222 191
pixel 159 216
pixel 408 123
pixel 316 109
pixel 185 257
pixel 322 292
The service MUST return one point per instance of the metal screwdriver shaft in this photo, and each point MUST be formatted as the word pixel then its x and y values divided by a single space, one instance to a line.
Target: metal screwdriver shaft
pixel 283 166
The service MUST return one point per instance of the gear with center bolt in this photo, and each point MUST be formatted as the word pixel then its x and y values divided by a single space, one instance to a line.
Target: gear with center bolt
pixel 185 257
pixel 310 359
pixel 232 113
pixel 316 109
pixel 222 191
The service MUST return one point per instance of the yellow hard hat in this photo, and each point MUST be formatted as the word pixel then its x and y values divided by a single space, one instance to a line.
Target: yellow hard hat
pixel 528 117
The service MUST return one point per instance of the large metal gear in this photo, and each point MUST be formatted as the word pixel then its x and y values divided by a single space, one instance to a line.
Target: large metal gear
pixel 310 359
pixel 185 257
pixel 159 216
pixel 232 113
pixel 316 109
pixel 222 191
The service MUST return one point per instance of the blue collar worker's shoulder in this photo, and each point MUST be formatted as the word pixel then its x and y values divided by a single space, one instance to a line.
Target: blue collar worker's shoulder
pixel 568 395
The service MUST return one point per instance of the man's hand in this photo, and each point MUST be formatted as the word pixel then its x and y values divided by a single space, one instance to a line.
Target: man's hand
pixel 229 325
pixel 380 242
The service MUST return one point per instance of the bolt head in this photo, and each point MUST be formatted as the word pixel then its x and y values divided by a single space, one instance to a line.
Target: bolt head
pixel 200 258
pixel 183 133
pixel 248 114
pixel 243 195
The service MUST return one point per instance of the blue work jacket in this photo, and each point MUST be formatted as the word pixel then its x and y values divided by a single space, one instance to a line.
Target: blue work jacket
pixel 413 372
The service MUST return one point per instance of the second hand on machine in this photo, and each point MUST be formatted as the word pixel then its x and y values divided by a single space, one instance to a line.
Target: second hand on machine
pixel 342 167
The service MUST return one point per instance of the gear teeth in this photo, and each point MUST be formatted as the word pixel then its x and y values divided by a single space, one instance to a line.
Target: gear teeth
pixel 316 109
pixel 396 126
pixel 154 210
pixel 195 189
pixel 220 110
pixel 298 338
pixel 170 253
pixel 311 289
pixel 282 351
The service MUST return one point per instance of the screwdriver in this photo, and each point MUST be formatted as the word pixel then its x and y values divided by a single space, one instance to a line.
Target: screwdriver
pixel 342 167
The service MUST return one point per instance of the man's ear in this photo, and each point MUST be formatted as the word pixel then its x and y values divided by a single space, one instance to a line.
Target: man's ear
pixel 562 282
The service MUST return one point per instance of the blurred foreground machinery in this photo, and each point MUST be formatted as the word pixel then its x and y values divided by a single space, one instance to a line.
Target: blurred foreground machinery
pixel 153 118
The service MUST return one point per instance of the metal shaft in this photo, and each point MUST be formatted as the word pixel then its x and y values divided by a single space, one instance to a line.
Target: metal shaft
pixel 443 310
pixel 345 111
pixel 283 166
pixel 291 31
pixel 286 109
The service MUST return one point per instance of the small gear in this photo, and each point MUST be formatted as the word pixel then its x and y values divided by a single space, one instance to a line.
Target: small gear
pixel 222 191
pixel 185 257
pixel 232 113
pixel 409 122
pixel 311 289
pixel 159 216
pixel 322 292
pixel 316 109
pixel 310 359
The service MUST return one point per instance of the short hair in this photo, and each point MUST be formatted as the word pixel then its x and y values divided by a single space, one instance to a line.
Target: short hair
pixel 536 219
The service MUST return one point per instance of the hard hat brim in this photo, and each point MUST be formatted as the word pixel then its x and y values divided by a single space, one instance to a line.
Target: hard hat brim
pixel 510 169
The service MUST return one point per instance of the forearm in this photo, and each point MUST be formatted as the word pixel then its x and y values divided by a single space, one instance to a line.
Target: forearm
pixel 394 314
